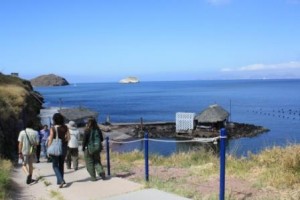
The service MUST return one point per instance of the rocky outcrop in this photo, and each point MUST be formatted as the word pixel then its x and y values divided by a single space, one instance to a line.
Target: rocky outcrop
pixel 168 130
pixel 49 80
pixel 18 103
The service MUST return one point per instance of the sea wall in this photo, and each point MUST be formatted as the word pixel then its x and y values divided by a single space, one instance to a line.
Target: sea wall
pixel 18 103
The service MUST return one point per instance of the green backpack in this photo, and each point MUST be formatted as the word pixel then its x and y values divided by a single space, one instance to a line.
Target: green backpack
pixel 94 144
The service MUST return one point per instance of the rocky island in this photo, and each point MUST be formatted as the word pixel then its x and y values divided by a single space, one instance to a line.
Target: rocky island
pixel 48 80
pixel 235 130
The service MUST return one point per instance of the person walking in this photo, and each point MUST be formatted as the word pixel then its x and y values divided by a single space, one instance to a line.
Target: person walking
pixel 92 145
pixel 38 147
pixel 72 152
pixel 28 139
pixel 45 132
pixel 63 133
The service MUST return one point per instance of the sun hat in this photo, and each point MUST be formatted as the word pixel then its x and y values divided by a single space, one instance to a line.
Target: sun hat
pixel 72 124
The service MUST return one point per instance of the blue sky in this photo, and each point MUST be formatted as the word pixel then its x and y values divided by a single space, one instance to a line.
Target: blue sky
pixel 107 40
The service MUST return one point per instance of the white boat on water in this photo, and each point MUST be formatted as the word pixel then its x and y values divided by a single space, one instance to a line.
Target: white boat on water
pixel 129 79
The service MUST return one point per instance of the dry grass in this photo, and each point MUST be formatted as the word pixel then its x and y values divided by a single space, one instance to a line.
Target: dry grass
pixel 272 174
pixel 13 97
pixel 5 168
pixel 278 167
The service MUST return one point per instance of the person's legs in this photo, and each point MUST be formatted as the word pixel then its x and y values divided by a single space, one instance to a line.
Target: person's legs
pixel 89 163
pixel 44 149
pixel 61 160
pixel 75 157
pixel 55 166
pixel 28 161
pixel 68 160
pixel 98 166
pixel 38 153
pixel 30 164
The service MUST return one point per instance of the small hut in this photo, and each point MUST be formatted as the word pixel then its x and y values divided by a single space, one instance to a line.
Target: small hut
pixel 78 115
pixel 212 118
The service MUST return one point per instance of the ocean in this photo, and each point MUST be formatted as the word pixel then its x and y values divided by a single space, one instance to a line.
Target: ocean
pixel 274 104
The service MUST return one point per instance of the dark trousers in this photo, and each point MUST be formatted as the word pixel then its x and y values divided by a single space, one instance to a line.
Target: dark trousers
pixel 72 155
pixel 38 152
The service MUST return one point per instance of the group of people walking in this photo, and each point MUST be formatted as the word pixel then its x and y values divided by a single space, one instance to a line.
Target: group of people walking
pixel 30 139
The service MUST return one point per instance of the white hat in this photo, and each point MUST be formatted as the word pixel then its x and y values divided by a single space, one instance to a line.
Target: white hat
pixel 72 124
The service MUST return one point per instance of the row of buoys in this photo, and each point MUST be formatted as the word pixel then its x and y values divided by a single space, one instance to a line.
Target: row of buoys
pixel 281 113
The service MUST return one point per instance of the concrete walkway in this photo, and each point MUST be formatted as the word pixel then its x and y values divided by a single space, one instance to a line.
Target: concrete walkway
pixel 79 186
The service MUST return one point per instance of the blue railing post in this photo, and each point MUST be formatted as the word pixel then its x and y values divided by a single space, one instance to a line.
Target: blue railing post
pixel 107 155
pixel 146 155
pixel 222 162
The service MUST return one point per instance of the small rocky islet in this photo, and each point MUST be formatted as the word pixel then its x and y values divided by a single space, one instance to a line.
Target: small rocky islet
pixel 48 80
pixel 235 130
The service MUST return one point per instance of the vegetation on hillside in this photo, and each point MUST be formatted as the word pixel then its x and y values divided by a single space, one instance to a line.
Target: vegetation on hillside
pixel 272 174
pixel 5 169
pixel 18 103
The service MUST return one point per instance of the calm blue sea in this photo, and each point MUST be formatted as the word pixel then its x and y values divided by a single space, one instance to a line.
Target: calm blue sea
pixel 274 104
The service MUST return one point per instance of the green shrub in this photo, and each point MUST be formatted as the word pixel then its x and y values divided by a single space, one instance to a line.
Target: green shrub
pixel 5 169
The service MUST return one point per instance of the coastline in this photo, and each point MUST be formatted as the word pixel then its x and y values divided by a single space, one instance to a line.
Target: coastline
pixel 125 131
pixel 161 129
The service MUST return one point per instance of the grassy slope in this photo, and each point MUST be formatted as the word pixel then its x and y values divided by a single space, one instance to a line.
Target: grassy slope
pixel 272 174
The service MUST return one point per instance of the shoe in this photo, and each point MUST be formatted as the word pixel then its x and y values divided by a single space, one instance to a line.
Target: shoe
pixel 32 181
pixel 102 175
pixel 93 179
pixel 28 180
pixel 38 161
pixel 61 185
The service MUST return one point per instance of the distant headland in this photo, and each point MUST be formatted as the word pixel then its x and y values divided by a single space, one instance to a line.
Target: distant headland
pixel 48 80
pixel 130 79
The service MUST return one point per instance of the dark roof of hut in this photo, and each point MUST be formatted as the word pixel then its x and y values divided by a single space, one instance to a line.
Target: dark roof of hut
pixel 77 114
pixel 214 113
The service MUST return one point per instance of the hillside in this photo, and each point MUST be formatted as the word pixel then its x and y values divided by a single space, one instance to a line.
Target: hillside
pixel 18 103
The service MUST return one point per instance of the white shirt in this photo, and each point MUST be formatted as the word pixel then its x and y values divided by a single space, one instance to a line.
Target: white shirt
pixel 33 136
pixel 74 134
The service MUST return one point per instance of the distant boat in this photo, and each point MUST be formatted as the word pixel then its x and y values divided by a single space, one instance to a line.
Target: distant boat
pixel 129 79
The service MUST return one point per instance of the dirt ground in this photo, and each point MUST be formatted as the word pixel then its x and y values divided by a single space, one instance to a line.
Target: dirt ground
pixel 236 189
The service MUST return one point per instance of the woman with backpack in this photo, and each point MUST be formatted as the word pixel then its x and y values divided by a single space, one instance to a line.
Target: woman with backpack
pixel 92 146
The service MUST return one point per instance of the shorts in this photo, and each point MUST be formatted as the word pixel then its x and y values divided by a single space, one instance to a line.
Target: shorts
pixel 28 159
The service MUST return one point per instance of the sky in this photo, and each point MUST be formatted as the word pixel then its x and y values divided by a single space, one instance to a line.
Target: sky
pixel 154 40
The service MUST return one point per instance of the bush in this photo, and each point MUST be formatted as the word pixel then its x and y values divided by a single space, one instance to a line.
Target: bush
pixel 5 169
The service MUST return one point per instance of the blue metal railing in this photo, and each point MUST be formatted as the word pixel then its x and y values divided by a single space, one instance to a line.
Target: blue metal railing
pixel 223 137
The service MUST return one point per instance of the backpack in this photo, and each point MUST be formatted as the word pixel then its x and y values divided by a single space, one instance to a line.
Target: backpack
pixel 94 144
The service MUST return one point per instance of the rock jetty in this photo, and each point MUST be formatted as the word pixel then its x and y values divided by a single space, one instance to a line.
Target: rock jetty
pixel 48 80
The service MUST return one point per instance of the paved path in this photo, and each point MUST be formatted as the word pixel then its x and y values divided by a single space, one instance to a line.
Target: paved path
pixel 80 187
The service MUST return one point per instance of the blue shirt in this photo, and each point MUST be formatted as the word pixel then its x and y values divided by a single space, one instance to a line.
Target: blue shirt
pixel 45 134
